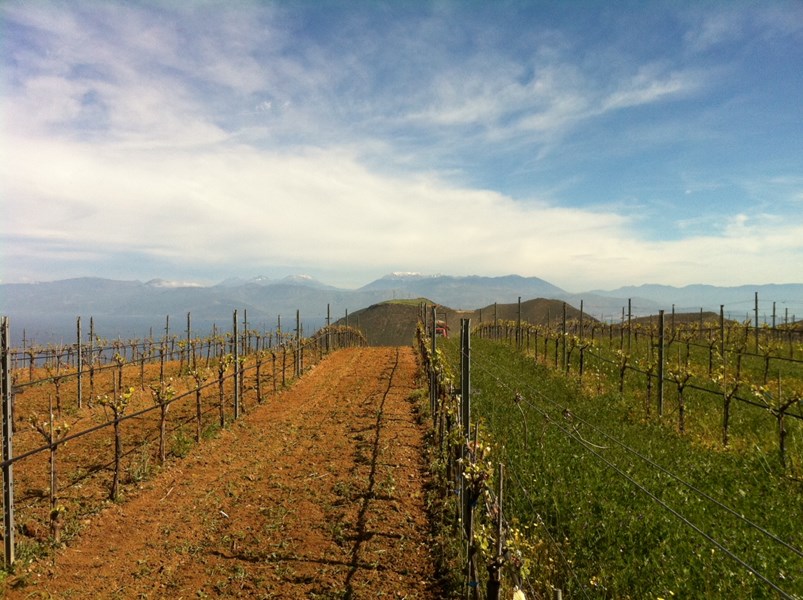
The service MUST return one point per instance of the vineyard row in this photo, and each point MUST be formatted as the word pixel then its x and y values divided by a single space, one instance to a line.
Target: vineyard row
pixel 556 534
pixel 134 393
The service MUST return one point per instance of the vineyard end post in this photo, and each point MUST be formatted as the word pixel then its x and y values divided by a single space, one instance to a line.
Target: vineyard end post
pixel 660 363
pixel 8 453
pixel 79 361
pixel 235 350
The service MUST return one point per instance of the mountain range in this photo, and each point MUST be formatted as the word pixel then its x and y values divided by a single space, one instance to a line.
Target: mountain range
pixel 47 311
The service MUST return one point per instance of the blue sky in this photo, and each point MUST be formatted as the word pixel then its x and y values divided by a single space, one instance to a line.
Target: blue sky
pixel 592 144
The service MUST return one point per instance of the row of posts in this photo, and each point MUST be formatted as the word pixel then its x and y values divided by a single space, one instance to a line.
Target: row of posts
pixel 8 452
pixel 661 344
pixel 7 401
pixel 467 504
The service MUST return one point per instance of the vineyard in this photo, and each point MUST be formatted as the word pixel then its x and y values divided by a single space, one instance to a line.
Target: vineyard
pixel 646 459
pixel 652 458
pixel 89 422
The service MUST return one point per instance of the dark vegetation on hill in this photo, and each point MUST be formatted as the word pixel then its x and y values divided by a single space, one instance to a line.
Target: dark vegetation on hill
pixel 393 323
pixel 539 311
pixel 390 323
pixel 681 318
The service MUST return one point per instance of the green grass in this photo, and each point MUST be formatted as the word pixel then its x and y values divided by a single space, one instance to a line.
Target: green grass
pixel 749 426
pixel 574 475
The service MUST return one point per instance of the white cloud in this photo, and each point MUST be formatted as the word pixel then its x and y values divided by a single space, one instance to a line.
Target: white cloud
pixel 649 86
pixel 713 29
pixel 710 27
pixel 235 205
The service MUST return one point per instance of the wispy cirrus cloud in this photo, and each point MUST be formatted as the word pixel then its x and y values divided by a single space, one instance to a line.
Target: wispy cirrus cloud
pixel 130 72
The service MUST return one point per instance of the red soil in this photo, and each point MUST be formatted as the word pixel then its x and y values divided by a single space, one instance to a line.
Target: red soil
pixel 317 493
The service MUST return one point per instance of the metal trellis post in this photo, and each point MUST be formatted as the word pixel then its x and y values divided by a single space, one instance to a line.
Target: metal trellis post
pixel 8 453
pixel 235 351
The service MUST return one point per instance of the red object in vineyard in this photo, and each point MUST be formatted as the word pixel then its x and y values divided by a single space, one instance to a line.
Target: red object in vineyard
pixel 441 329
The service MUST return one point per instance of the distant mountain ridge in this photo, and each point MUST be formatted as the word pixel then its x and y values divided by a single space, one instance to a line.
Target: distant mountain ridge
pixel 737 300
pixel 131 308
pixel 466 292
pixel 304 280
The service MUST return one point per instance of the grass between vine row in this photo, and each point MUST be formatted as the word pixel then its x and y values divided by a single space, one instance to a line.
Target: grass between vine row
pixel 595 483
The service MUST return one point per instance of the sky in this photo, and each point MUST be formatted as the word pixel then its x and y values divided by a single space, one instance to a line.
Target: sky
pixel 592 144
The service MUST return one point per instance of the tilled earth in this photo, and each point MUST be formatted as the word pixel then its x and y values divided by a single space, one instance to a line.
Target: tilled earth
pixel 318 493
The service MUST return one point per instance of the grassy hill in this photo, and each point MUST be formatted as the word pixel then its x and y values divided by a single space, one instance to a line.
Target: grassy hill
pixel 390 323
pixel 393 323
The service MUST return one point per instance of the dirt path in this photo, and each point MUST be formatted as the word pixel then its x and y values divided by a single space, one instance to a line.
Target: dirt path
pixel 318 493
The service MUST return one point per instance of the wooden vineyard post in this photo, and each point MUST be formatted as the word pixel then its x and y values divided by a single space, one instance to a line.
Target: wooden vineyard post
pixel 582 326
pixel 258 384
pixel 190 347
pixel 91 359
pixel 8 453
pixel 297 367
pixel 622 331
pixel 494 587
pixel 79 360
pixel 273 360
pixel 164 349
pixel 629 326
pixel 118 455
pixel 565 354
pixel 672 329
pixel 246 341
pixel 465 374
pixel 301 348
pixel 755 326
pixel 222 366
pixel 235 350
pixel 55 514
pixel 433 384
pixel 211 349
pixel 518 328
pixel 660 363
pixel 284 365
pixel 199 379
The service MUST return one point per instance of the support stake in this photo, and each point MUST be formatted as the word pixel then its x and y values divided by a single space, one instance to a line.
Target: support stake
pixel 8 453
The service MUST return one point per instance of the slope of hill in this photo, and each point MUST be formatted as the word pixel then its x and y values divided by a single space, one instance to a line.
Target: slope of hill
pixel 393 323
pixel 390 323
pixel 540 311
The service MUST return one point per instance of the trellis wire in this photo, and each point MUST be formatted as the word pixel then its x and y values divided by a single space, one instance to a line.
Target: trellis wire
pixel 707 497
pixel 331 337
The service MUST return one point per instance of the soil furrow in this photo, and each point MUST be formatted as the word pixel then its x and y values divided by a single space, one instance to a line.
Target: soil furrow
pixel 318 493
